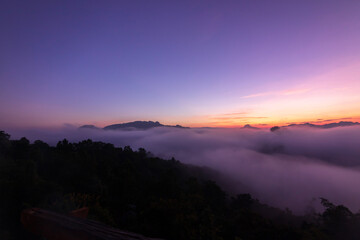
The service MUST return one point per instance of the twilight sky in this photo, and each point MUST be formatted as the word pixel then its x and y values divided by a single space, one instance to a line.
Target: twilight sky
pixel 195 63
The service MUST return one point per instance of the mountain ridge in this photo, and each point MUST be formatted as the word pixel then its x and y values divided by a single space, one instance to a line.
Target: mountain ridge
pixel 145 125
pixel 327 125
pixel 320 126
pixel 135 125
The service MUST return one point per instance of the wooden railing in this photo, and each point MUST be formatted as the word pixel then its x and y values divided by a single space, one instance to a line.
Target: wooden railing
pixel 55 226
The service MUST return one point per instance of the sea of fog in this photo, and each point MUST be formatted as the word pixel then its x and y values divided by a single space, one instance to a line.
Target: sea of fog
pixel 289 168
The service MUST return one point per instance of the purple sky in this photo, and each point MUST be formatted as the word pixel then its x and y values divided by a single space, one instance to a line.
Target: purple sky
pixel 186 62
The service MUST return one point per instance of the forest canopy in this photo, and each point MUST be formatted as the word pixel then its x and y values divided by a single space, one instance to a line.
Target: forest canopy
pixel 138 192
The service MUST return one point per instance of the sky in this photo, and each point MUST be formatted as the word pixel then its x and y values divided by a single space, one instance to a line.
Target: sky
pixel 194 63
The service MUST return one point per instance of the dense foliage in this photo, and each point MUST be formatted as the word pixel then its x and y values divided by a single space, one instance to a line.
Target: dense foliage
pixel 132 190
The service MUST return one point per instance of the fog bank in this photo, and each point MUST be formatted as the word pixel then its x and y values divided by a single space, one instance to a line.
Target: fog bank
pixel 285 168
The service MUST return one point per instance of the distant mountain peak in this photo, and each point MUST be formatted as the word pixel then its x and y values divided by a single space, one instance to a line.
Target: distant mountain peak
pixel 322 126
pixel 88 127
pixel 135 125
pixel 248 126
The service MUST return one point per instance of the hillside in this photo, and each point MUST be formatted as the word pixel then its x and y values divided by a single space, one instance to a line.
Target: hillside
pixel 137 192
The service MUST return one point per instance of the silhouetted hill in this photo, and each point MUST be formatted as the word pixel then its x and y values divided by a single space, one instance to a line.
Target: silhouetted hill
pixel 340 124
pixel 248 126
pixel 88 127
pixel 325 126
pixel 139 125
pixel 143 125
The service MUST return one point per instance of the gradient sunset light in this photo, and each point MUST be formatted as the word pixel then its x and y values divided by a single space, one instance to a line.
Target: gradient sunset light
pixel 194 63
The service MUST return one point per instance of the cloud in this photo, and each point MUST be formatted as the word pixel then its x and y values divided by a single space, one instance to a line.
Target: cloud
pixel 236 118
pixel 331 120
pixel 233 118
pixel 286 168
pixel 279 93
pixel 235 113
pixel 295 91
pixel 262 94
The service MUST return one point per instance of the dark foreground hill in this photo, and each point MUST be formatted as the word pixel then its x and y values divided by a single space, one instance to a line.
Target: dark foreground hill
pixel 137 192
